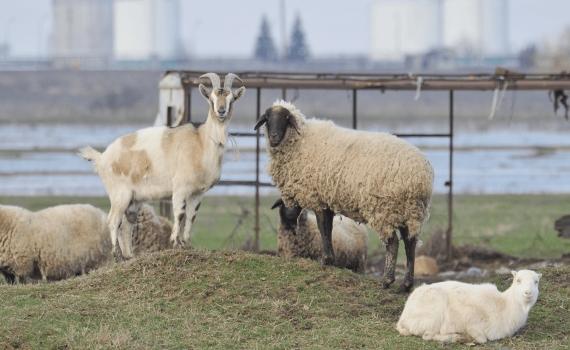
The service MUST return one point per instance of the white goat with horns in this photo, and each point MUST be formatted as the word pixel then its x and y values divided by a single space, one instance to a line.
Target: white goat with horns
pixel 156 163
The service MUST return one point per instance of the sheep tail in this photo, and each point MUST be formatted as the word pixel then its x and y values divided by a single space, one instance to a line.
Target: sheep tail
pixel 89 154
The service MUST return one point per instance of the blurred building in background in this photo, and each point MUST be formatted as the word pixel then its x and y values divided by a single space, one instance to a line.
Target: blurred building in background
pixel 472 28
pixel 82 28
pixel 144 29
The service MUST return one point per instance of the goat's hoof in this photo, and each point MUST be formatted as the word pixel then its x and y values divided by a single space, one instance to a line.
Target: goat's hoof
pixel 119 257
pixel 406 287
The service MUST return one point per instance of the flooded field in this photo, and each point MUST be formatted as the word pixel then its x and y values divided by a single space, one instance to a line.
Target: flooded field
pixel 40 160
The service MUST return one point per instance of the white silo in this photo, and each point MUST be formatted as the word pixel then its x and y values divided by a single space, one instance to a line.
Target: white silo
pixel 403 28
pixel 462 26
pixel 476 27
pixel 145 28
pixel 495 27
pixel 82 28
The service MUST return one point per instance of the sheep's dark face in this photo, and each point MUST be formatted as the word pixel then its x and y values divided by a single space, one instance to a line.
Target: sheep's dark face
pixel 287 215
pixel 277 120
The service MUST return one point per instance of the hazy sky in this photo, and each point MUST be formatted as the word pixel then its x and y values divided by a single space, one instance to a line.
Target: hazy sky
pixel 230 27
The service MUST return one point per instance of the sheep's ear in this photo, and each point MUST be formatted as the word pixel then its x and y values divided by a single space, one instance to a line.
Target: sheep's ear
pixel 239 93
pixel 293 122
pixel 514 273
pixel 278 203
pixel 204 91
pixel 262 120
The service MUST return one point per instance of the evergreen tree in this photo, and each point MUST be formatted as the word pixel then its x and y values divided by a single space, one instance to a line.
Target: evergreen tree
pixel 265 50
pixel 298 51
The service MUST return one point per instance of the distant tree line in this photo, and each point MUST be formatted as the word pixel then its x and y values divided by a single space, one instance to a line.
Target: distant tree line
pixel 297 51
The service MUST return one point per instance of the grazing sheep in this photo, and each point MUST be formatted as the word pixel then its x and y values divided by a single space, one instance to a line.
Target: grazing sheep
pixel 54 243
pixel 181 163
pixel 444 311
pixel 151 233
pixel 373 178
pixel 299 237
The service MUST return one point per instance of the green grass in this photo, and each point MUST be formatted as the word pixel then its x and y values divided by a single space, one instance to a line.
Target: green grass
pixel 233 300
pixel 519 225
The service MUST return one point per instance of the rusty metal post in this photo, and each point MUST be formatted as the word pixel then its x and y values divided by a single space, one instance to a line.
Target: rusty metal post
pixel 450 196
pixel 354 109
pixel 188 107
pixel 164 206
pixel 283 95
pixel 256 243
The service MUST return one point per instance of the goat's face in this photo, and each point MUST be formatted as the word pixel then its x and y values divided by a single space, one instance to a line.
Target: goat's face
pixel 278 119
pixel 526 286
pixel 221 100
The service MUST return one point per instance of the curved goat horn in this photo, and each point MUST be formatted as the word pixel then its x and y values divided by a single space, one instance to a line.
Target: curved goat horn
pixel 214 78
pixel 230 79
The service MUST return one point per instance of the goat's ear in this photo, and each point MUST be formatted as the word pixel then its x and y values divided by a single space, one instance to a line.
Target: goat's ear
pixel 262 120
pixel 293 122
pixel 239 93
pixel 277 203
pixel 204 91
pixel 539 276
pixel 514 273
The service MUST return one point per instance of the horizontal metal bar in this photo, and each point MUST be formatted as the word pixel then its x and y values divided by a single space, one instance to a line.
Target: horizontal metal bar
pixel 243 183
pixel 246 134
pixel 422 135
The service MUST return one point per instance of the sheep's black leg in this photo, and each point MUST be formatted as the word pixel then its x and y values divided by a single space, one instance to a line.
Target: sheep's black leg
pixel 391 256
pixel 410 246
pixel 325 224
pixel 9 278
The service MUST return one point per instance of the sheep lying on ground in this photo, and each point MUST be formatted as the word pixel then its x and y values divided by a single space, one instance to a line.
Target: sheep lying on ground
pixel 181 163
pixel 444 311
pixel 151 232
pixel 54 243
pixel 299 237
pixel 373 178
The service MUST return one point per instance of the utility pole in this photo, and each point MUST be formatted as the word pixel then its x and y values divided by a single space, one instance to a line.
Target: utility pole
pixel 284 43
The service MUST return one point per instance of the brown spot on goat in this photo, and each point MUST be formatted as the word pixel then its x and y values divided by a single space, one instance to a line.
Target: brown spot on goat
pixel 137 162
pixel 129 140
pixel 179 139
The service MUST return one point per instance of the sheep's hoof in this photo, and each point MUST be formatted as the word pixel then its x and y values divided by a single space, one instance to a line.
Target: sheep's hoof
pixel 327 261
pixel 406 287
pixel 387 282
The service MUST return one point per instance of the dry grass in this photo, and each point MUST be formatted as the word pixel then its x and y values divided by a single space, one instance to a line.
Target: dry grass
pixel 225 299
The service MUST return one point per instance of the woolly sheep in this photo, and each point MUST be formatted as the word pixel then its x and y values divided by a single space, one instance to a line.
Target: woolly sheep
pixel 151 232
pixel 54 243
pixel 444 311
pixel 372 178
pixel 181 163
pixel 299 237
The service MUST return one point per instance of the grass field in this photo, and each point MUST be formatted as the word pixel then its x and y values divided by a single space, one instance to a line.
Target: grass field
pixel 204 299
pixel 519 225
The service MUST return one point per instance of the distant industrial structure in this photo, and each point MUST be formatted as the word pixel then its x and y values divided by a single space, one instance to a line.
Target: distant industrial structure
pixel 144 29
pixel 82 28
pixel 471 28
pixel 116 29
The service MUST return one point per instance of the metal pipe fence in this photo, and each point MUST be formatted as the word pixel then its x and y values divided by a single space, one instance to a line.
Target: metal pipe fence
pixel 502 79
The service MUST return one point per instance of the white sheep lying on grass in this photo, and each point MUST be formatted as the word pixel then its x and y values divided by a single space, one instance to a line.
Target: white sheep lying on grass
pixel 54 243
pixel 447 310
pixel 299 237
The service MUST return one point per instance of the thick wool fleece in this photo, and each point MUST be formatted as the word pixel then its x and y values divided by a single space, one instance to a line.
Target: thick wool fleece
pixel 151 233
pixel 302 239
pixel 373 178
pixel 54 243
